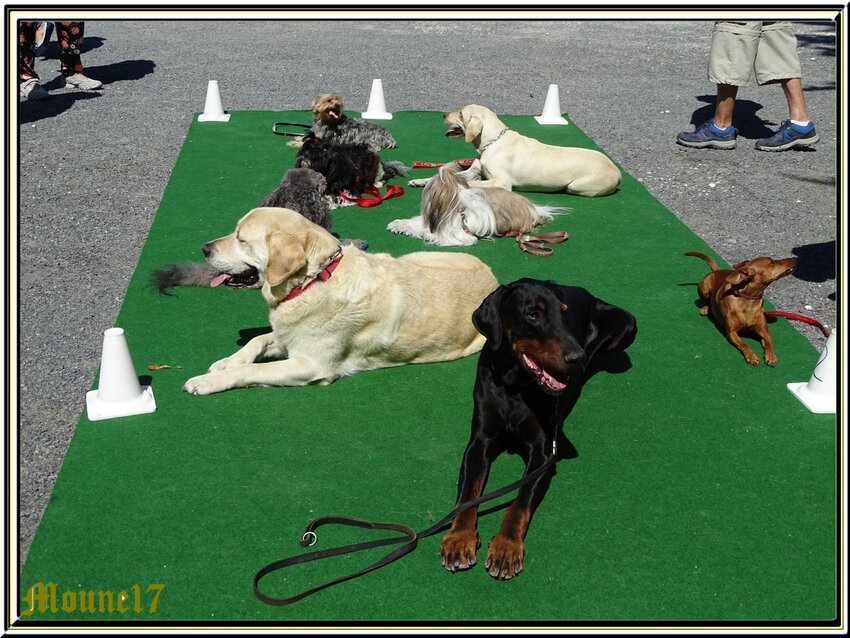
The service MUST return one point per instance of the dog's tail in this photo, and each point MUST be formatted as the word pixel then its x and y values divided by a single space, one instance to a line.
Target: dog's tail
pixel 182 274
pixel 705 258
pixel 394 168
pixel 546 214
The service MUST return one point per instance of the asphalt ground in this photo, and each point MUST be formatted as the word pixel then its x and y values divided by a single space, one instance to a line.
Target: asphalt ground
pixel 93 166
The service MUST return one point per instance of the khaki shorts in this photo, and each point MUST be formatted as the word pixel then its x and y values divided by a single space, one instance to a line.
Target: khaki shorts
pixel 739 48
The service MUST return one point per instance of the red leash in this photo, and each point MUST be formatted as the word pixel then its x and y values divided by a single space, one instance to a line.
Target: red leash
pixel 533 244
pixel 375 197
pixel 796 317
pixel 462 162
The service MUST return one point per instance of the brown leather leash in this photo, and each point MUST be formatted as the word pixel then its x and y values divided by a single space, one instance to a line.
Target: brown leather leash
pixel 534 244
pixel 407 541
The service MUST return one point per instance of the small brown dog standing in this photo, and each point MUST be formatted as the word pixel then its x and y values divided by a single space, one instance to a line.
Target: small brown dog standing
pixel 734 298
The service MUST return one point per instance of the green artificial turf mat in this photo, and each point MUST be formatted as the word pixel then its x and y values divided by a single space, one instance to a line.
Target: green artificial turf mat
pixel 703 489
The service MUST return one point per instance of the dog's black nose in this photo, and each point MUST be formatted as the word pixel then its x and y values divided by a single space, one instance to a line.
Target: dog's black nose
pixel 207 248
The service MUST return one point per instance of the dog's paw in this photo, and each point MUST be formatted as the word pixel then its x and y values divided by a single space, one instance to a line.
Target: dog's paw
pixel 399 226
pixel 205 384
pixel 296 143
pixel 770 359
pixel 504 557
pixel 458 549
pixel 417 183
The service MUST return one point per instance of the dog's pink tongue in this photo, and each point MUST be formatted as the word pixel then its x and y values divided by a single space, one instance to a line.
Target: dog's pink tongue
pixel 541 374
pixel 219 279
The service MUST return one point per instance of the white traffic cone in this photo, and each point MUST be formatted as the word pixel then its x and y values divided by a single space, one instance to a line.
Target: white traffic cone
pixel 213 111
pixel 377 110
pixel 552 108
pixel 119 392
pixel 819 393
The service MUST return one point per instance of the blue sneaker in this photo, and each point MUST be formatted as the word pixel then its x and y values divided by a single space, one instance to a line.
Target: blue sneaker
pixel 788 136
pixel 707 135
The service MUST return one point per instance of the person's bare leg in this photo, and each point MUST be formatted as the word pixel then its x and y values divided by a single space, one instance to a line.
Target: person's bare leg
pixel 793 89
pixel 725 105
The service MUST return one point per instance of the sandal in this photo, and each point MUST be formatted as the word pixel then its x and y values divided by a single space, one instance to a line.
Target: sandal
pixel 32 90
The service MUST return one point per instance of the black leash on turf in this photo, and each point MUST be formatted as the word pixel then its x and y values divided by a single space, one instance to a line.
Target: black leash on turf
pixel 410 538
pixel 289 133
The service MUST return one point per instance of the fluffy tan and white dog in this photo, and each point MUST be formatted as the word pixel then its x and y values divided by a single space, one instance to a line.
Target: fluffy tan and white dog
pixel 453 213
pixel 514 161
pixel 337 310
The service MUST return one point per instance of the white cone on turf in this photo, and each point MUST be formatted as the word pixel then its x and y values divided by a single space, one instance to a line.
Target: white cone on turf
pixel 552 108
pixel 213 111
pixel 818 395
pixel 377 109
pixel 119 392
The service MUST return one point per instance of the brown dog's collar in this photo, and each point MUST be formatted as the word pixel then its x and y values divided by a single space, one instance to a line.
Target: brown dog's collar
pixel 743 295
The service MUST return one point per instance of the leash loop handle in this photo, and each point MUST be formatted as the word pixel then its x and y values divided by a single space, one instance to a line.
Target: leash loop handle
pixel 410 539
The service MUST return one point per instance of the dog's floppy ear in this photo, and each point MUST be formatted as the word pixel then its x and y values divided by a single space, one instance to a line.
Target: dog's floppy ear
pixel 606 328
pixel 739 276
pixel 286 257
pixel 472 128
pixel 740 265
pixel 614 329
pixel 487 318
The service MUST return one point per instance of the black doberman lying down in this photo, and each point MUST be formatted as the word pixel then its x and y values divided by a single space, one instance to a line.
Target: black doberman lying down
pixel 541 340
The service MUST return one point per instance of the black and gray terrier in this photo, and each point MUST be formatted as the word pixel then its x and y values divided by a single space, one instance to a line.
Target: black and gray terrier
pixel 348 168
pixel 332 124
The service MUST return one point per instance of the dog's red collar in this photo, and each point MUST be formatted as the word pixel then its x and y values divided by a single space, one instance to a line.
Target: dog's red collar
pixel 323 275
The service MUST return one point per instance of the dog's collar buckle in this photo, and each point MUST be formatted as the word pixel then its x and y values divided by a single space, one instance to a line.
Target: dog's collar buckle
pixel 323 275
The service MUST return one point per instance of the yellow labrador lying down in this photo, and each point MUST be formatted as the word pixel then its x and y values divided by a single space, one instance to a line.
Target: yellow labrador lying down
pixel 516 162
pixel 337 310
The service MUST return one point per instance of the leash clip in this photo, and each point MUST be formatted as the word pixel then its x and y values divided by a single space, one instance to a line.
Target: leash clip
pixel 309 538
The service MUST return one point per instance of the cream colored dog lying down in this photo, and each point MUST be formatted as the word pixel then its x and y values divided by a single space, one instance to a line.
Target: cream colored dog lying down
pixel 337 310
pixel 517 162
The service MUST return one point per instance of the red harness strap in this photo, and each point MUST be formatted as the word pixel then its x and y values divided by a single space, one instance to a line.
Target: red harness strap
pixel 533 244
pixel 323 275
pixel 375 197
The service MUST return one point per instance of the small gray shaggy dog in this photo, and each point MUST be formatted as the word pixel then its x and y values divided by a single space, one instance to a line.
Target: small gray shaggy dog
pixel 302 190
pixel 332 125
